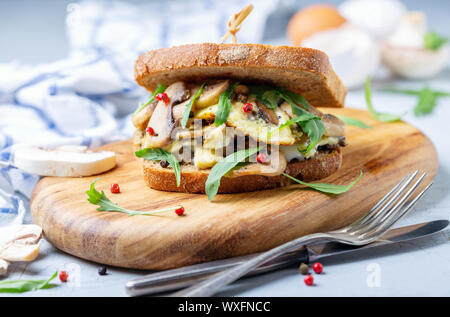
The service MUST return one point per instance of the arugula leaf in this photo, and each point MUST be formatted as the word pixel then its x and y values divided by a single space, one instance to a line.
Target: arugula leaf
pixel 160 88
pixel 187 111
pixel 297 120
pixel 415 92
pixel 354 122
pixel 426 102
pixel 327 188
pixel 314 127
pixel 433 41
pixel 384 117
pixel 157 155
pixel 427 98
pixel 293 98
pixel 223 167
pixel 21 286
pixel 266 95
pixel 224 105
pixel 99 198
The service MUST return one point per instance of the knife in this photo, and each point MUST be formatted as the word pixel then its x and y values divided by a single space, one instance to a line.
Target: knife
pixel 174 279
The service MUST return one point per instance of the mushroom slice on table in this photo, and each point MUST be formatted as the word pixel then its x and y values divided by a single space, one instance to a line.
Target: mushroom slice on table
pixel 18 243
pixel 64 161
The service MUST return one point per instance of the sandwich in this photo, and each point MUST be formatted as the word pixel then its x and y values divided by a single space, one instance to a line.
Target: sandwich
pixel 231 118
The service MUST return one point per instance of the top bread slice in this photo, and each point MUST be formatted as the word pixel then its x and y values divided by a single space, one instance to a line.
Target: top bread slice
pixel 302 70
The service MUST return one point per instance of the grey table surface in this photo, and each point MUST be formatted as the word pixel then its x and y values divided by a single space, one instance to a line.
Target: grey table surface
pixel 418 268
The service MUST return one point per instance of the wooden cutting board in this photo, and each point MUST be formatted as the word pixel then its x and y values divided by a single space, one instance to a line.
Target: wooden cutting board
pixel 232 225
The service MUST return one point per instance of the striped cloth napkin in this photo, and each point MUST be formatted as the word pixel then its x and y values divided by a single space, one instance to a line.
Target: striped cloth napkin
pixel 86 98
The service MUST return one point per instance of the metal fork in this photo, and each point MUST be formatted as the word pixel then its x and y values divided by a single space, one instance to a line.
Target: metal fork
pixel 367 229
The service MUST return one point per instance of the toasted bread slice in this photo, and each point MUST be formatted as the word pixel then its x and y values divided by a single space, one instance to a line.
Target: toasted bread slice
pixel 193 180
pixel 302 70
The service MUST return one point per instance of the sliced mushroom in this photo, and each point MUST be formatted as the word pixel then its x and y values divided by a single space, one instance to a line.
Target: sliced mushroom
pixel 162 120
pixel 213 137
pixel 211 93
pixel 19 243
pixel 178 110
pixel 333 125
pixel 286 107
pixel 140 119
pixel 267 114
pixel 276 164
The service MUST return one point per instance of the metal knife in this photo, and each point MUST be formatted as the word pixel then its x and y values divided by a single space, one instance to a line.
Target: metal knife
pixel 171 280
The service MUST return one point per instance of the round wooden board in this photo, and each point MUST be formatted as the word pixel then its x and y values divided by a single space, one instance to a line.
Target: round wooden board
pixel 233 224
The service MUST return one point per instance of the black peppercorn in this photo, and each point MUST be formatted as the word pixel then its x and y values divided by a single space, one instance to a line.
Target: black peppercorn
pixel 303 268
pixel 102 270
pixel 163 163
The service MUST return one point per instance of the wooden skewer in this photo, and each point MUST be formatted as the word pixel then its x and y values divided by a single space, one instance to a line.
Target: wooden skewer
pixel 234 24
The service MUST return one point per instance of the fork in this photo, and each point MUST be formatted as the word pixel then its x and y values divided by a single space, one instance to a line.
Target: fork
pixel 383 215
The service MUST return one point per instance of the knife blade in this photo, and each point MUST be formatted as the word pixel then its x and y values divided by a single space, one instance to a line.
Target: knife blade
pixel 174 279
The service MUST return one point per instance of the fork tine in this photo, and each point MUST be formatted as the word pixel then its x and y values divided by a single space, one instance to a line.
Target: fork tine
pixel 380 213
pixel 398 216
pixel 374 209
pixel 385 219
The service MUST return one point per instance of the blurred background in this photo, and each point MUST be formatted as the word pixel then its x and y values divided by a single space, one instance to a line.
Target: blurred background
pixel 34 31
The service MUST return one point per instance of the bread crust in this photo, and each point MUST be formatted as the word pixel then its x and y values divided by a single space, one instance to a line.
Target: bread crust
pixel 302 70
pixel 193 180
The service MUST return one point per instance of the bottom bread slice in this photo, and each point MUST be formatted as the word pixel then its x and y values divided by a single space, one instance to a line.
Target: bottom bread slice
pixel 193 180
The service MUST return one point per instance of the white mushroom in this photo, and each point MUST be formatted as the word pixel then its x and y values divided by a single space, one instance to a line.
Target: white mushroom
pixel 18 243
pixel 404 52
pixel 162 121
pixel 140 118
pixel 211 93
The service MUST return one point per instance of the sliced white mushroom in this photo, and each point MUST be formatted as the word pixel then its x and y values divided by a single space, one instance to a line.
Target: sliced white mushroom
pixel 20 252
pixel 276 164
pixel 140 119
pixel 69 161
pixel 18 243
pixel 404 52
pixel 333 126
pixel 211 93
pixel 161 120
pixel 267 114
pixel 178 110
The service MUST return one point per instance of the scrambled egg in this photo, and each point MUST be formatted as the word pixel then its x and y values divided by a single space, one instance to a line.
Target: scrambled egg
pixel 257 128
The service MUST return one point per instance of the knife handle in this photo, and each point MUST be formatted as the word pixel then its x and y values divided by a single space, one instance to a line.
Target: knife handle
pixel 175 279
